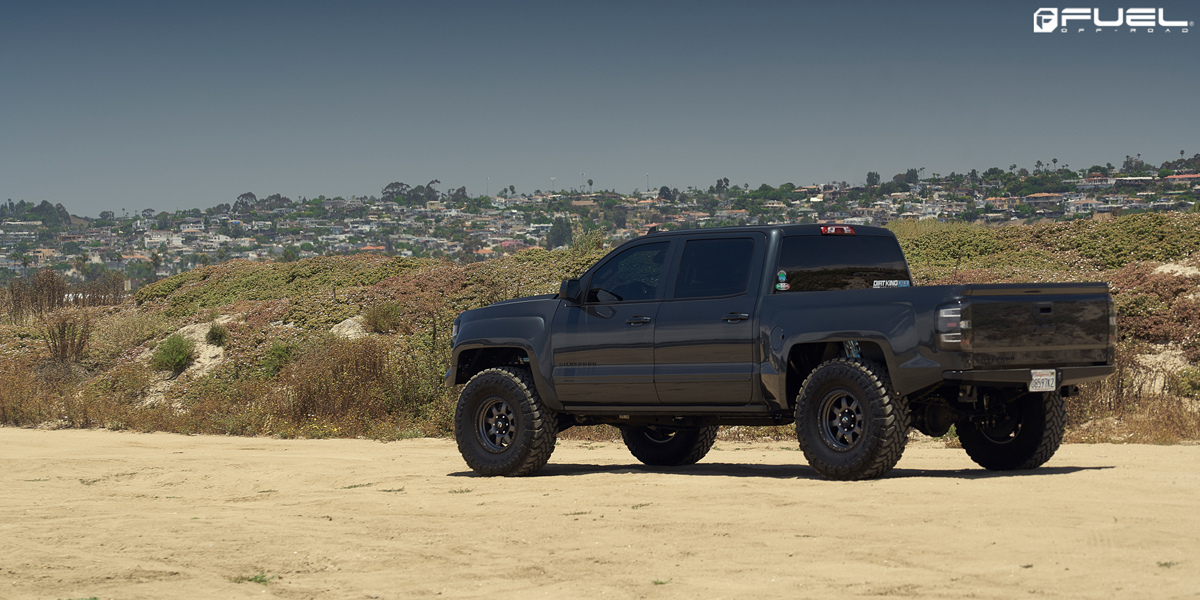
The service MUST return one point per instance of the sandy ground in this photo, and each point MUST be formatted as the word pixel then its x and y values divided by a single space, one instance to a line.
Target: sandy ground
pixel 123 515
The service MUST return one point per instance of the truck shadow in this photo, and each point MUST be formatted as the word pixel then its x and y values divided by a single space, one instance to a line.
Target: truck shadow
pixel 781 471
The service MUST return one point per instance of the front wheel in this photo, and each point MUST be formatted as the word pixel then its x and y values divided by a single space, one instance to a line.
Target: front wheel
pixel 850 422
pixel 501 425
pixel 669 446
pixel 1025 436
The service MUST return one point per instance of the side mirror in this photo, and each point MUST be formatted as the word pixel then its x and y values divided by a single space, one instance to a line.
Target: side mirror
pixel 570 291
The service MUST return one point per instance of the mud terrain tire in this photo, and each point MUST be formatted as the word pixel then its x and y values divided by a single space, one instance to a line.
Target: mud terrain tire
pixel 850 423
pixel 1026 439
pixel 669 446
pixel 501 426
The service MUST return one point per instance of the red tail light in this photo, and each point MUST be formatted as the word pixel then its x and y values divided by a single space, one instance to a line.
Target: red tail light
pixel 837 230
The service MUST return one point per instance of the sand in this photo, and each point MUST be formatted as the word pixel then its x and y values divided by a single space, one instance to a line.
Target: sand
pixel 126 515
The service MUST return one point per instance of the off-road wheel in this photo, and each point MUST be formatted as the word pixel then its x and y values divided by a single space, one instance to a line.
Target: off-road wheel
pixel 1024 437
pixel 501 426
pixel 850 422
pixel 669 446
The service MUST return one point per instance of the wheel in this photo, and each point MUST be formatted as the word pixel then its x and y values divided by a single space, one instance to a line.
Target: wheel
pixel 501 426
pixel 1025 437
pixel 669 446
pixel 850 422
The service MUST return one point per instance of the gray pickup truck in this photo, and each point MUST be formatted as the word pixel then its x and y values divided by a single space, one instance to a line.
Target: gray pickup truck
pixel 674 334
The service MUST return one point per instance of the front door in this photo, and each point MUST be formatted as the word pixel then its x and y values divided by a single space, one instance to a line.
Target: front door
pixel 704 340
pixel 604 347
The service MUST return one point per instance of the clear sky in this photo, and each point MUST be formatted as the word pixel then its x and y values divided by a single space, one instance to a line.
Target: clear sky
pixel 169 105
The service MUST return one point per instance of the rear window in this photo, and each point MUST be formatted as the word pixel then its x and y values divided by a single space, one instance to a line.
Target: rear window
pixel 851 262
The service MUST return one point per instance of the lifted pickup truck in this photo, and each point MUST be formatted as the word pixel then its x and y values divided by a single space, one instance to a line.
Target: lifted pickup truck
pixel 676 333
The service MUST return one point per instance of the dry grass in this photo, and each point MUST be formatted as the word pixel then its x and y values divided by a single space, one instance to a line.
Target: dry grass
pixel 66 333
pixel 116 334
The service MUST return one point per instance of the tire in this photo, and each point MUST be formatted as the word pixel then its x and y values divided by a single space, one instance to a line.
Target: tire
pixel 501 426
pixel 1026 438
pixel 850 423
pixel 669 446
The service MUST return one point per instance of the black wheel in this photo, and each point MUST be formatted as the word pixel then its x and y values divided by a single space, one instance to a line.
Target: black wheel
pixel 501 426
pixel 669 446
pixel 1024 437
pixel 850 423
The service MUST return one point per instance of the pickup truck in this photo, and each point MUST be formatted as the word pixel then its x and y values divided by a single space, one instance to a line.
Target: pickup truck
pixel 674 334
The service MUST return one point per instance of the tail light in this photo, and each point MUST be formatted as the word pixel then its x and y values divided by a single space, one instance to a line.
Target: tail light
pixel 837 230
pixel 954 327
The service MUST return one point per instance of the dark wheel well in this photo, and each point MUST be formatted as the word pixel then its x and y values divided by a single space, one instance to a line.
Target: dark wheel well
pixel 804 358
pixel 471 362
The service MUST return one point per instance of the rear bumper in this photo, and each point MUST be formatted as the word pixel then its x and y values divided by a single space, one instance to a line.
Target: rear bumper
pixel 1022 377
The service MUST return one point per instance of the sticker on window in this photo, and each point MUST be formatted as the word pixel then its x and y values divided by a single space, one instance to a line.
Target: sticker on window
pixel 783 286
pixel 782 275
pixel 890 283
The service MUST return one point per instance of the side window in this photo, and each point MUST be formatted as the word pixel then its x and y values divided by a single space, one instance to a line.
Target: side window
pixel 631 275
pixel 715 268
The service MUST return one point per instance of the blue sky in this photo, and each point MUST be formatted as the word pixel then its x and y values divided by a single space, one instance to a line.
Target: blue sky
pixel 135 105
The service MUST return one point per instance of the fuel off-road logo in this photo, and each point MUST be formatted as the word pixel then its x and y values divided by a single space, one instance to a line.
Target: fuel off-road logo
pixel 1093 20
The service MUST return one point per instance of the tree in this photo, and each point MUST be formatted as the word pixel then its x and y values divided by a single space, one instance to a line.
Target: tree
pixel 665 193
pixel 148 213
pixel 290 254
pixel 872 179
pixel 395 190
pixel 911 176
pixel 247 198
pixel 559 234
pixel 107 215
pixel 512 190
pixel 589 185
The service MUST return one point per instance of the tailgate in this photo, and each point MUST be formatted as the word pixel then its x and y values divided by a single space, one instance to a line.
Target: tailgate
pixel 1023 325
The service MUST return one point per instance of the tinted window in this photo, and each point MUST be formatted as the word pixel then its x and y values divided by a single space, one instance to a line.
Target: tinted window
pixel 631 275
pixel 714 268
pixel 817 263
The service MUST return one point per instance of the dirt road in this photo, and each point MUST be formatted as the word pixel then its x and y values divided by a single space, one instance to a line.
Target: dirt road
pixel 124 515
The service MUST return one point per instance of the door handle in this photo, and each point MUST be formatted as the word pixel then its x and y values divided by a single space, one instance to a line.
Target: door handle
pixel 638 320
pixel 733 317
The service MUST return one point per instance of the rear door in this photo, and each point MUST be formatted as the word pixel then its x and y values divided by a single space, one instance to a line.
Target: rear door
pixel 704 340
pixel 604 347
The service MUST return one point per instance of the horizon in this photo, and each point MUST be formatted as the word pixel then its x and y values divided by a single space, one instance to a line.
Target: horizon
pixel 133 106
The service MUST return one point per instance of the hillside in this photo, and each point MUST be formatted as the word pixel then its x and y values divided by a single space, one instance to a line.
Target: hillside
pixel 267 362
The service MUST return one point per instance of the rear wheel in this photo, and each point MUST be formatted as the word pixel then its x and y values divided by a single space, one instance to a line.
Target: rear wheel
pixel 501 426
pixel 1024 437
pixel 850 422
pixel 669 446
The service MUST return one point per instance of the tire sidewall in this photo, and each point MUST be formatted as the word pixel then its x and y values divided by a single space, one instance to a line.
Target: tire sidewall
pixel 883 420
pixel 1029 448
pixel 476 394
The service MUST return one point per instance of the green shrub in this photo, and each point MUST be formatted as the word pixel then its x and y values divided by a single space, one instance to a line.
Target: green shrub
pixel 1186 383
pixel 278 356
pixel 217 335
pixel 174 354
pixel 383 317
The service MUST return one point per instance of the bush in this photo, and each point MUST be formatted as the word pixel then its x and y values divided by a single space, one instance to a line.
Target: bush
pixel 279 355
pixel 383 317
pixel 351 380
pixel 174 354
pixel 217 335
pixel 1186 383
pixel 66 334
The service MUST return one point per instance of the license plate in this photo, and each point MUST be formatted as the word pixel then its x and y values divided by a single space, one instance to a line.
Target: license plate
pixel 1043 380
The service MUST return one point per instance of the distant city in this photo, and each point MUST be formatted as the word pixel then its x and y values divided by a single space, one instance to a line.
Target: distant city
pixel 423 221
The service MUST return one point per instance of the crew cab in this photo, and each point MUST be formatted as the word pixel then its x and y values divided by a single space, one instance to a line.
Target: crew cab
pixel 675 334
